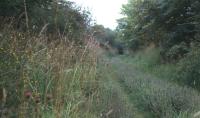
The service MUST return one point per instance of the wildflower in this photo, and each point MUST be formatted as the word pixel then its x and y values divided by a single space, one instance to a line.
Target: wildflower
pixel 27 94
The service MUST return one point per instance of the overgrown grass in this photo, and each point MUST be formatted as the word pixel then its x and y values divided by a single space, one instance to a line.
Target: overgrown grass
pixel 42 78
pixel 162 99
pixel 150 86
pixel 184 72
pixel 111 101
pixel 149 62
pixel 188 69
pixel 158 97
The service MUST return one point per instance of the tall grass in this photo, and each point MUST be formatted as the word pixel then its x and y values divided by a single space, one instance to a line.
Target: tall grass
pixel 111 101
pixel 151 89
pixel 44 77
pixel 149 61
pixel 158 98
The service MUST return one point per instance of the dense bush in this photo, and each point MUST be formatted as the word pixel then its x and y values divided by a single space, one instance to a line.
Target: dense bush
pixel 46 16
pixel 175 53
pixel 103 35
pixel 189 69
pixel 13 8
pixel 167 23
pixel 107 38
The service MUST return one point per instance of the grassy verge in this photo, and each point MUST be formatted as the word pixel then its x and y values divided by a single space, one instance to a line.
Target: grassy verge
pixel 43 78
pixel 149 62
pixel 155 97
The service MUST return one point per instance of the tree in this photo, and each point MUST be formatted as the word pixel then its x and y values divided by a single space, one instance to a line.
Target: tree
pixel 10 8
pixel 104 35
pixel 62 17
pixel 166 23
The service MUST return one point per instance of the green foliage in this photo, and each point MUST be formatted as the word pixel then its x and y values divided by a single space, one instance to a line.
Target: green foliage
pixel 111 97
pixel 13 8
pixel 46 16
pixel 168 99
pixel 9 69
pixel 103 35
pixel 173 26
pixel 12 61
pixel 175 53
pixel 149 61
pixel 188 71
pixel 154 95
pixel 166 23
pixel 145 60
pixel 44 79
pixel 107 38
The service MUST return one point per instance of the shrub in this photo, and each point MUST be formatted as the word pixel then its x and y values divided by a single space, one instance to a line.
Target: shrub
pixel 135 44
pixel 61 17
pixel 146 60
pixel 188 71
pixel 175 53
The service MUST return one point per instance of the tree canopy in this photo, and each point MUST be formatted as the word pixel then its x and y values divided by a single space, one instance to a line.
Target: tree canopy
pixel 59 16
pixel 172 25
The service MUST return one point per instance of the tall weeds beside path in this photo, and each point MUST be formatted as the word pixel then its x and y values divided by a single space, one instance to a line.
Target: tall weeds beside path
pixel 42 77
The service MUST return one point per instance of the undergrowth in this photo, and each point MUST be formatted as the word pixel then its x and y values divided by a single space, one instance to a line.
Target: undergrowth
pixel 149 62
pixel 153 85
pixel 157 97
pixel 43 77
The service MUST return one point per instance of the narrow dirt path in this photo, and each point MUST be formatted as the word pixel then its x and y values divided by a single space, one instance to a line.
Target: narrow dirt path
pixel 120 102
pixel 124 72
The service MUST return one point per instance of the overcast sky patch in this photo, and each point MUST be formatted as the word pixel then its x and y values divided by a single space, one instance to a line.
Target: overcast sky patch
pixel 105 12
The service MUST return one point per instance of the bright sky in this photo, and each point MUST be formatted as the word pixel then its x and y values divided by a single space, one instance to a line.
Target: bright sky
pixel 105 12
